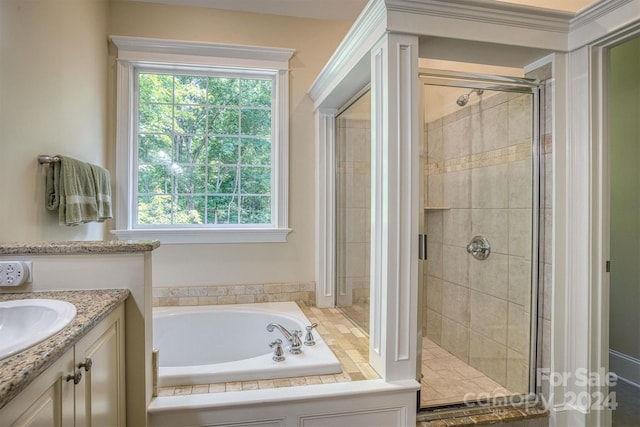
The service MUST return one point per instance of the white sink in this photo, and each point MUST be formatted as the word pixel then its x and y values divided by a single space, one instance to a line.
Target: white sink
pixel 26 322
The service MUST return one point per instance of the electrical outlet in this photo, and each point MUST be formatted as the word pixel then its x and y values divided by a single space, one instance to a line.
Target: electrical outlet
pixel 15 273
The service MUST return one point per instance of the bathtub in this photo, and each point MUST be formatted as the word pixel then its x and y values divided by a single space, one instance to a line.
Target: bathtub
pixel 222 343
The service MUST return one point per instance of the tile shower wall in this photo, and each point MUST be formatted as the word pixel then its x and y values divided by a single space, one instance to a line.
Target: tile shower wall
pixel 353 210
pixel 478 182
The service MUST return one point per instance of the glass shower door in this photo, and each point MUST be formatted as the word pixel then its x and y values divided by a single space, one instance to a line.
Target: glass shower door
pixel 353 211
pixel 481 200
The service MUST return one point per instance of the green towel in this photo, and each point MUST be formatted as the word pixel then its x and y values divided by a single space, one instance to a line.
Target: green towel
pixel 73 190
pixel 102 180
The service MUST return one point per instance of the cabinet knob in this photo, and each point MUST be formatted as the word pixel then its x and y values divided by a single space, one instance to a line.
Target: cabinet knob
pixel 76 377
pixel 87 364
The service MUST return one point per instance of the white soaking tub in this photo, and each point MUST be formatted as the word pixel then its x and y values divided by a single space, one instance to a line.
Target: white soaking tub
pixel 221 343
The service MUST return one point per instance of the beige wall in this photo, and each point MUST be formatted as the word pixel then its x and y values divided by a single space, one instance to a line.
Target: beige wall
pixel 314 41
pixel 53 100
pixel 53 82
pixel 625 198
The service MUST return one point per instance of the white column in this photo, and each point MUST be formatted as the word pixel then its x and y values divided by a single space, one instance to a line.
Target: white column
pixel 325 208
pixel 395 150
pixel 574 293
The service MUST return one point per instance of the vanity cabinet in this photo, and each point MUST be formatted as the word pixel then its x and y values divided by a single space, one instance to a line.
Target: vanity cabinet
pixel 83 387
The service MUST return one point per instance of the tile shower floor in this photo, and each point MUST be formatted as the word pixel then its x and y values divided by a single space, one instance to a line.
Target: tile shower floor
pixel 448 380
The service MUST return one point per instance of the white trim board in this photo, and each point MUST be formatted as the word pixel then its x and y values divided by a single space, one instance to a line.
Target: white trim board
pixel 133 48
pixel 626 367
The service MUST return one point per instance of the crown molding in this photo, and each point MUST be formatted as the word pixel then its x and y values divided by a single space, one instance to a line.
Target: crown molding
pixel 549 29
pixel 595 11
pixel 556 30
pixel 600 19
pixel 487 11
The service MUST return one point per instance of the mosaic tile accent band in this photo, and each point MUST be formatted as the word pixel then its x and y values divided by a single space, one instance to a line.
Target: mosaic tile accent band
pixel 500 156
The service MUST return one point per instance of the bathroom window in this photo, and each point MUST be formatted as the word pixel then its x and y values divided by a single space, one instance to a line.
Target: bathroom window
pixel 204 149
pixel 204 139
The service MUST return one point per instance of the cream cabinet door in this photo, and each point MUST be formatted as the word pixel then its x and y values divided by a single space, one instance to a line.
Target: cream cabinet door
pixel 48 401
pixel 100 355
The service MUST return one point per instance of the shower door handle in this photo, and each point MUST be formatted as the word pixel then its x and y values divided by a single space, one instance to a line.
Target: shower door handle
pixel 422 246
pixel 479 247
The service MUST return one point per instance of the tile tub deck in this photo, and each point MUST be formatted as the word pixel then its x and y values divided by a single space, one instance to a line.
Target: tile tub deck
pixel 346 340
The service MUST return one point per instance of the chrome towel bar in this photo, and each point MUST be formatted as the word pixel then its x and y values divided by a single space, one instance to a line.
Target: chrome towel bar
pixel 43 158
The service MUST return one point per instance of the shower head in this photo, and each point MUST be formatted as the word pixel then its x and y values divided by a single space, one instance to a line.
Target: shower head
pixel 463 99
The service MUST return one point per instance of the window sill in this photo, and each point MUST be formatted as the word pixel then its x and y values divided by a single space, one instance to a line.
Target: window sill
pixel 196 236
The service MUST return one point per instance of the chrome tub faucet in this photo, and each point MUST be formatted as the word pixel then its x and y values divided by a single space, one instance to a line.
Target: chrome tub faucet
pixel 308 338
pixel 278 354
pixel 293 337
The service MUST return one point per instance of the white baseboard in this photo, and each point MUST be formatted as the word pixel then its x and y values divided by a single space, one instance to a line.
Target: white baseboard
pixel 626 367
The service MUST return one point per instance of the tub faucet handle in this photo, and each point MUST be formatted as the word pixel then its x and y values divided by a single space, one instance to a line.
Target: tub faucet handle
pixel 308 338
pixel 278 353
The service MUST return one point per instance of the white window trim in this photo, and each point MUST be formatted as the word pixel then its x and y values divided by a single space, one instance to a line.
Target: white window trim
pixel 134 52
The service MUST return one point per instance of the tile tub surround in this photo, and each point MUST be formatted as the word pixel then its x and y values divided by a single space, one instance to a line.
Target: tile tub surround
pixel 17 371
pixel 234 294
pixel 345 339
pixel 78 247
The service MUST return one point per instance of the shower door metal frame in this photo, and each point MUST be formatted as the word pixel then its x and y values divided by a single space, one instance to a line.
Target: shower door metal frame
pixel 434 77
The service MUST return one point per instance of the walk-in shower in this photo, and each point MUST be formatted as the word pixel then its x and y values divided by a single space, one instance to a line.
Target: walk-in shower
pixel 480 218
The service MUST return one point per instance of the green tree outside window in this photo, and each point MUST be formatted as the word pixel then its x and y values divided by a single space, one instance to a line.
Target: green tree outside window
pixel 204 150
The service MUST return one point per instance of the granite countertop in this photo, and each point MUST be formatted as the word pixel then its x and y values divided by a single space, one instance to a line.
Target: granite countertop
pixel 78 247
pixel 19 370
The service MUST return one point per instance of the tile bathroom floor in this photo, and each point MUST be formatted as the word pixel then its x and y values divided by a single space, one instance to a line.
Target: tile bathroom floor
pixel 358 314
pixel 447 379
